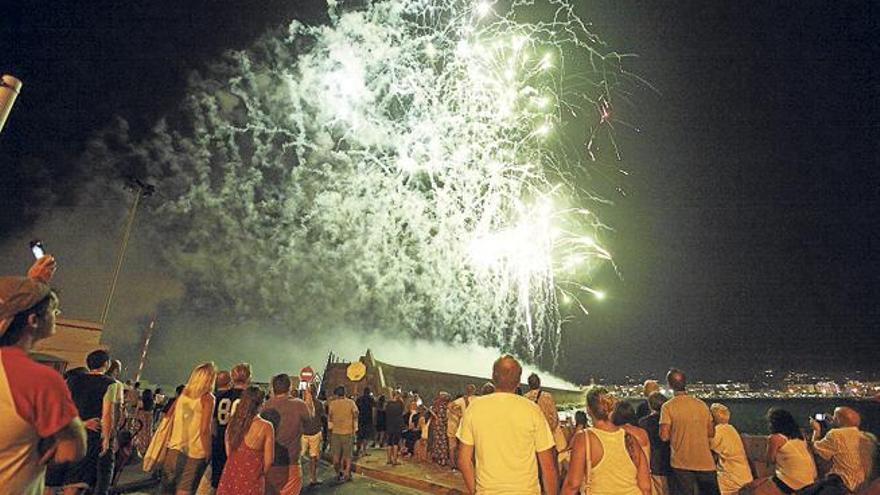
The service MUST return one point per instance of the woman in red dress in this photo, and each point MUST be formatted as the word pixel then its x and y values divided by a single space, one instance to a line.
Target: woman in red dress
pixel 250 448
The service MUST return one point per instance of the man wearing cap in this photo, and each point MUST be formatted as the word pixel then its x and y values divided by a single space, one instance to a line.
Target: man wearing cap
pixel 40 420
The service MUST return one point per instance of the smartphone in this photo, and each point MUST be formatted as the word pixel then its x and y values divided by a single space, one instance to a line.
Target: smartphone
pixel 819 417
pixel 37 249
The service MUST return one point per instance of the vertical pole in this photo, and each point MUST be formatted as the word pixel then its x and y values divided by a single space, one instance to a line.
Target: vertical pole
pixel 119 259
pixel 149 336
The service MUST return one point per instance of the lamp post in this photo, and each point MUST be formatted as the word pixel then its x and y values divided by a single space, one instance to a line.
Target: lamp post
pixel 9 89
pixel 140 190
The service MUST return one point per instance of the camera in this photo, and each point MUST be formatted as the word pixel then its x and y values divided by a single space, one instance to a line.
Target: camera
pixel 38 249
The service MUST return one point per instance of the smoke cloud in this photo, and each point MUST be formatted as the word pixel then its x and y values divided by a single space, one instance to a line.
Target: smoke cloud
pixel 357 185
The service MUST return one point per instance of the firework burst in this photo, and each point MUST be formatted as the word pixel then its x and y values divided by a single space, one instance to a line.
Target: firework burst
pixel 411 165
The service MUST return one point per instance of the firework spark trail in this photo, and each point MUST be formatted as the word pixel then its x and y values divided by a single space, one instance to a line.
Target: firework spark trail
pixel 403 167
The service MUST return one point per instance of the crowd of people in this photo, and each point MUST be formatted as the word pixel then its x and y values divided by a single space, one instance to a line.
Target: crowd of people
pixel 230 437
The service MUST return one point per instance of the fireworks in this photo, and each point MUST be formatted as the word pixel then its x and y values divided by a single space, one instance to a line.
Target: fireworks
pixel 411 166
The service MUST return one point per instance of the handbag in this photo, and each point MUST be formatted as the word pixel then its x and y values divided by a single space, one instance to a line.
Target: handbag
pixel 588 469
pixel 155 454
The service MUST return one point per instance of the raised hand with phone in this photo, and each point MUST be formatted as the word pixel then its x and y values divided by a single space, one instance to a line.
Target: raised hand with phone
pixel 44 267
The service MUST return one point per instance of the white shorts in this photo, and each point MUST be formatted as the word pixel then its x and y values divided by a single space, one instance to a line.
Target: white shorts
pixel 311 445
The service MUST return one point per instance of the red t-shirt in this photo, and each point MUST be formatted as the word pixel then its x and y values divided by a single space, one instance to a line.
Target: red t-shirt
pixel 34 403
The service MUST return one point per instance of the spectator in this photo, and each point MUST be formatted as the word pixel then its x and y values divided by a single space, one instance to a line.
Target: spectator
pixel 325 423
pixel 548 406
pixel 786 448
pixel 624 416
pixel 380 422
pixel 159 400
pixel 343 423
pixel 132 399
pixel 649 388
pixel 394 427
pixel 170 402
pixel 842 445
pixel 421 446
pixel 661 469
pixel 94 471
pixel 605 457
pixel 250 448
pixel 440 446
pixel 116 394
pixel 288 416
pixel 564 458
pixel 580 421
pixel 365 405
pixel 733 464
pixel 685 422
pixel 40 420
pixel 145 416
pixel 504 432
pixel 230 386
pixel 312 436
pixel 189 444
pixel 453 419
pixel 487 388
pixel 411 430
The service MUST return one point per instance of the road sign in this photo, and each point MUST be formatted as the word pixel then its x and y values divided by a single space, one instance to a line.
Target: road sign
pixel 307 374
pixel 356 371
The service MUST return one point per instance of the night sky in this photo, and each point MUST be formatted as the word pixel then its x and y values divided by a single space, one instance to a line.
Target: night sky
pixel 748 234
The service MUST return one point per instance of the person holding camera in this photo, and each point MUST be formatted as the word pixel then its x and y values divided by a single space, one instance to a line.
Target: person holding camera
pixel 40 420
pixel 842 445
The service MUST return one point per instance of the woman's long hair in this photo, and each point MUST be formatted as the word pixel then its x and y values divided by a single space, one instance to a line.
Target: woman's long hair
pixel 624 414
pixel 251 400
pixel 148 400
pixel 782 422
pixel 201 380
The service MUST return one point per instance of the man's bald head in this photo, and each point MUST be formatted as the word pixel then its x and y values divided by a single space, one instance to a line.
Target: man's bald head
pixel 676 380
pixel 506 373
pixel 847 416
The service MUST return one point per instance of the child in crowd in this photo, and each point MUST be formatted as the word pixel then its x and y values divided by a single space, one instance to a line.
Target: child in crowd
pixel 421 449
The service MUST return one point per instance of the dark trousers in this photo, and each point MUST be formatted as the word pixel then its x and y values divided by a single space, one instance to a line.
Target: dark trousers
pixel 218 460
pixel 410 437
pixel 105 473
pixel 831 485
pixel 685 482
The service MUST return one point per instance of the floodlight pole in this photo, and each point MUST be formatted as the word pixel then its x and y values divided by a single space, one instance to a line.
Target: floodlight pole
pixel 140 190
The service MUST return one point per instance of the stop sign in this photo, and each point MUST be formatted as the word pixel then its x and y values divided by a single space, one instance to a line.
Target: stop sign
pixel 306 374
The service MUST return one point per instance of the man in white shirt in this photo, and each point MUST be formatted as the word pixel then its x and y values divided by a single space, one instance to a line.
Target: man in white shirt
pixel 842 445
pixel 510 439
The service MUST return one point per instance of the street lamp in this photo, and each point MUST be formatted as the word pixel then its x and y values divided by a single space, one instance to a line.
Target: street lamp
pixel 140 190
pixel 9 89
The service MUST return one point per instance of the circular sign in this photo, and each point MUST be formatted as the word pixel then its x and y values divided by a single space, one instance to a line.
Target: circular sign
pixel 307 374
pixel 356 371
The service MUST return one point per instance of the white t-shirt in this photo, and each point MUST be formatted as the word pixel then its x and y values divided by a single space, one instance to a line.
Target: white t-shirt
pixel 506 431
pixel 733 464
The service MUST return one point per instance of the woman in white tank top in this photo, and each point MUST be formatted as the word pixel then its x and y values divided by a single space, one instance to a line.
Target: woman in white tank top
pixel 795 467
pixel 189 443
pixel 605 458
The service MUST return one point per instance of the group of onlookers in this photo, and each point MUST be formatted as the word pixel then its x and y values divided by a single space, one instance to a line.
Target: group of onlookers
pixel 692 448
pixel 677 445
pixel 227 433
pixel 502 441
